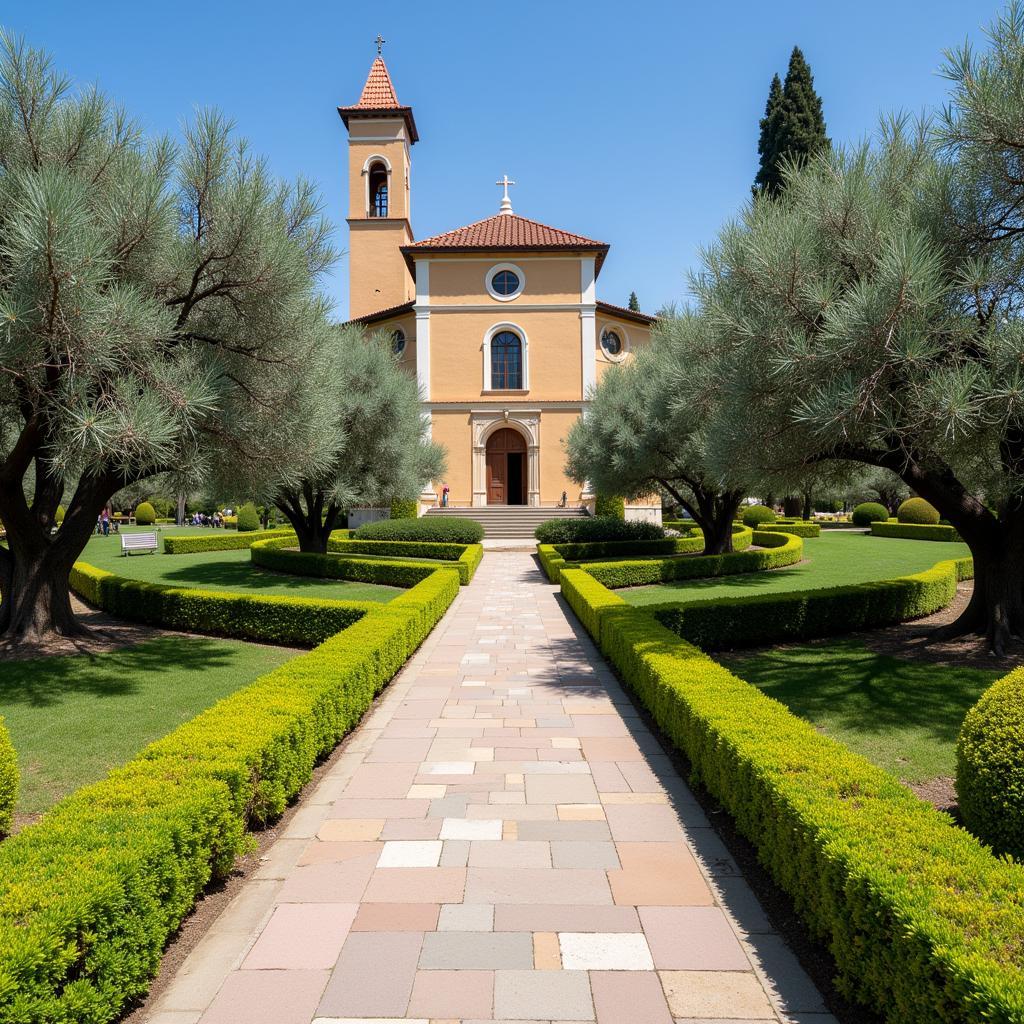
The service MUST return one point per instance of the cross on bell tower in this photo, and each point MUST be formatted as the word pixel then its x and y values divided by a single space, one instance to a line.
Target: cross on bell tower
pixel 506 203
pixel 380 41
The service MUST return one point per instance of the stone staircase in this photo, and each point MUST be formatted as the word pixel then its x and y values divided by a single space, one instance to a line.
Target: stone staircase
pixel 507 522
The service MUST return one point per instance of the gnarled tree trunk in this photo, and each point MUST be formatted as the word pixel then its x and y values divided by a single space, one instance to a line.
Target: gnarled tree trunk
pixel 311 516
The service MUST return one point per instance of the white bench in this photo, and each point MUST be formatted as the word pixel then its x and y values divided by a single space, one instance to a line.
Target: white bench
pixel 137 542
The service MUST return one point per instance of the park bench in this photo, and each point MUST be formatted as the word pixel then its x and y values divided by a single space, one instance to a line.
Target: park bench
pixel 137 542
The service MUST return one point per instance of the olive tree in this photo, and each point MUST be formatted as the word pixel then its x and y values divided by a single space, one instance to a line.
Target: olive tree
pixel 363 418
pixel 872 313
pixel 645 429
pixel 158 314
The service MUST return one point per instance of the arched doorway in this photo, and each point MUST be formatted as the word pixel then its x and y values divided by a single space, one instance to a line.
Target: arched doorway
pixel 506 468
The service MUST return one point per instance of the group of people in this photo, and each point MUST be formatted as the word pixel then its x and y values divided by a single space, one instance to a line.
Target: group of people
pixel 202 519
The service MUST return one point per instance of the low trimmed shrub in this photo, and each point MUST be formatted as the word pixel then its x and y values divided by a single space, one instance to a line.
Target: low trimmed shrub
pixel 94 890
pixel 868 512
pixel 442 529
pixel 760 619
pixel 9 778
pixel 466 557
pixel 990 766
pixel 248 518
pixel 917 511
pixel 610 506
pixel 774 551
pixel 145 514
pixel 801 528
pixel 914 531
pixel 923 922
pixel 293 621
pixel 219 540
pixel 755 515
pixel 585 530
pixel 405 509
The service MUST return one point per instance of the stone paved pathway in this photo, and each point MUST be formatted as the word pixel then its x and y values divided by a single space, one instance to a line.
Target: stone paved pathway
pixel 502 840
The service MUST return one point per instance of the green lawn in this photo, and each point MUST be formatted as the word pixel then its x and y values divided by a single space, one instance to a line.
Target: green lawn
pixel 830 560
pixel 902 715
pixel 73 718
pixel 222 570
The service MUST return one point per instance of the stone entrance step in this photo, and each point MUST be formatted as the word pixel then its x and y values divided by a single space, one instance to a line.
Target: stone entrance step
pixel 507 522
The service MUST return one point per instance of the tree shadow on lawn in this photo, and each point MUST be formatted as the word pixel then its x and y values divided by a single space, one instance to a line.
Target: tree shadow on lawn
pixel 43 682
pixel 847 686
pixel 240 576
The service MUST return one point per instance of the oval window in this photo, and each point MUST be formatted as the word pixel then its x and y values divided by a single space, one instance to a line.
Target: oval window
pixel 397 342
pixel 611 343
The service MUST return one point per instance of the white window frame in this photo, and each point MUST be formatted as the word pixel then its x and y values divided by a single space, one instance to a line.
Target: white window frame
pixel 377 158
pixel 623 337
pixel 524 347
pixel 496 269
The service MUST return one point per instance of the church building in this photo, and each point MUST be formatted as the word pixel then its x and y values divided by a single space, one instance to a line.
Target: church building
pixel 498 320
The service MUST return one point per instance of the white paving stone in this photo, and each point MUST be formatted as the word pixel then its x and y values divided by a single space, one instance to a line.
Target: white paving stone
pixel 463 828
pixel 605 951
pixel 409 853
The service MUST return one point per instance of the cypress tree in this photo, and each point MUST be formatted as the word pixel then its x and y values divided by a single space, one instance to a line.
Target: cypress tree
pixel 634 302
pixel 767 178
pixel 793 127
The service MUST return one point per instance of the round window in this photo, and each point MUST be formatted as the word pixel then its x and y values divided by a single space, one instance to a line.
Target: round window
pixel 397 342
pixel 611 343
pixel 505 282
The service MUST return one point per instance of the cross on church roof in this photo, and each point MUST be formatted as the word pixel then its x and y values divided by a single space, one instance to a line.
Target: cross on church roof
pixel 506 203
pixel 380 41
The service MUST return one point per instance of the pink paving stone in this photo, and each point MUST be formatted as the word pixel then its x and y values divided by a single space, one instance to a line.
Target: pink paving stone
pixel 554 918
pixel 302 936
pixel 692 939
pixel 267 997
pixel 452 994
pixel 397 751
pixel 411 828
pixel 652 823
pixel 621 996
pixel 610 748
pixel 342 882
pixel 396 917
pixel 345 808
pixel 416 885
pixel 373 976
pixel 381 780
pixel 599 725
pixel 537 885
pixel 320 852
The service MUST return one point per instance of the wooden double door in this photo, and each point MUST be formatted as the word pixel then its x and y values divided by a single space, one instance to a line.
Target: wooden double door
pixel 506 468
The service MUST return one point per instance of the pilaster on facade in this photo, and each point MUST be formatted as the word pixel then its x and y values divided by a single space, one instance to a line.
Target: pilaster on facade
pixel 422 311
pixel 588 325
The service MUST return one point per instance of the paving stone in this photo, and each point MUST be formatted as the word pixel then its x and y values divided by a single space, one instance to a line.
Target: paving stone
pixel 621 996
pixel 423 853
pixel 482 951
pixel 396 917
pixel 543 995
pixel 467 917
pixel 536 885
pixel 302 936
pixel 267 997
pixel 692 939
pixel 452 994
pixel 374 975
pixel 658 874
pixel 410 885
pixel 716 994
pixel 605 951
pixel 584 855
pixel 459 828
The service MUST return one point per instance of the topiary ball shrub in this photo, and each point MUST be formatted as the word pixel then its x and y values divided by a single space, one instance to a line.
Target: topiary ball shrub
pixel 442 530
pixel 990 766
pixel 603 528
pixel 145 514
pixel 868 512
pixel 918 511
pixel 8 780
pixel 610 506
pixel 754 515
pixel 405 509
pixel 248 518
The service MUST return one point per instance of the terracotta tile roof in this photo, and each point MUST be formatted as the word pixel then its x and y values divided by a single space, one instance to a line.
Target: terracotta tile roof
pixel 506 231
pixel 379 99
pixel 626 314
pixel 382 314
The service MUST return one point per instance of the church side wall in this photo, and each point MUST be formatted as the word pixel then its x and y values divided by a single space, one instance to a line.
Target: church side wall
pixel 634 335
pixel 452 429
pixel 554 428
pixel 462 281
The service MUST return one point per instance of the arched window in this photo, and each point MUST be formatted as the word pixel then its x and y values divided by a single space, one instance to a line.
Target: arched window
pixel 506 362
pixel 378 191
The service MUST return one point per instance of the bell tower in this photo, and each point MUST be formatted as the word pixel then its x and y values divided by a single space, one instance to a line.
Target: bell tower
pixel 381 133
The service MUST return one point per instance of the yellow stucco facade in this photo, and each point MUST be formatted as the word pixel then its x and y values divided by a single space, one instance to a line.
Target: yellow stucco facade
pixel 499 322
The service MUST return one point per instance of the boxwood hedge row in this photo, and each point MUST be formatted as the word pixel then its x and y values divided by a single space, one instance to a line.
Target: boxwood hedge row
pixel 8 779
pixel 299 621
pixel 93 891
pixel 218 540
pixel 799 529
pixel 914 531
pixel 466 556
pixel 774 551
pixel 923 922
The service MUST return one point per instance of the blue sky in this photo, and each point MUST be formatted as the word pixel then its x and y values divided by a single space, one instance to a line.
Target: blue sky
pixel 632 123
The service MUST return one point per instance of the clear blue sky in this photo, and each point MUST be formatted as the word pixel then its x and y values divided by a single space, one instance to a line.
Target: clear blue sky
pixel 632 123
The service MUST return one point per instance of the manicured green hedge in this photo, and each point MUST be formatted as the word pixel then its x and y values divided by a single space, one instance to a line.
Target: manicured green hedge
pixel 868 512
pixel 145 514
pixel 465 556
pixel 990 766
pixel 299 621
pixel 439 529
pixel 94 890
pixel 405 509
pixel 914 531
pixel 610 505
pixel 802 528
pixel 247 518
pixel 755 516
pixel 584 529
pixel 918 511
pixel 8 779
pixel 774 551
pixel 219 540
pixel 923 922
pixel 802 615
